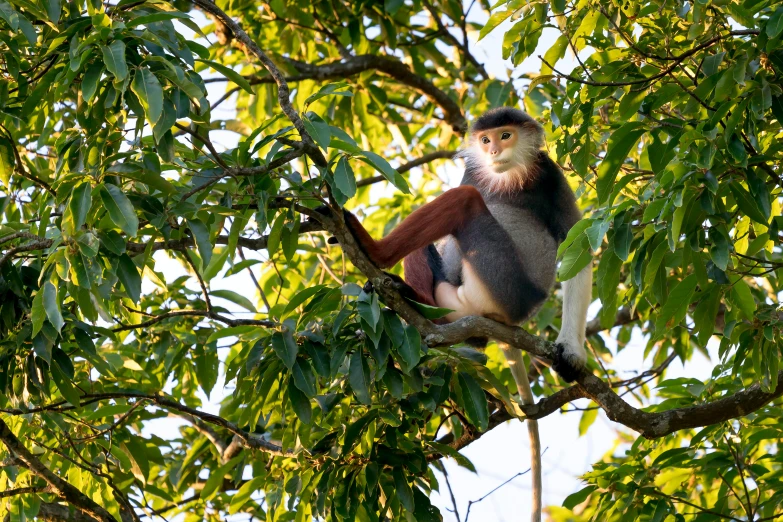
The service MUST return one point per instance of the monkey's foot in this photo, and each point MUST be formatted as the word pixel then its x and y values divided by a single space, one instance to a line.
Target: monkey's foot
pixel 398 284
pixel 569 362
pixel 477 342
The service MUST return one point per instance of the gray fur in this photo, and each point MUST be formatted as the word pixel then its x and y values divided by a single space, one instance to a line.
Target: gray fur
pixel 514 250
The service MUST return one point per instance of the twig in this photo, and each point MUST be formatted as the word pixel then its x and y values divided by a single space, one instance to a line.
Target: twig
pixel 471 502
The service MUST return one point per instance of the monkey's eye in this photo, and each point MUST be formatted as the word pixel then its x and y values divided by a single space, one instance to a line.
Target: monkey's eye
pixel 484 140
pixel 505 136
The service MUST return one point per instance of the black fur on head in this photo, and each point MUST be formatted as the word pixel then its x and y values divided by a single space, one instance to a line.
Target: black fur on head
pixel 502 117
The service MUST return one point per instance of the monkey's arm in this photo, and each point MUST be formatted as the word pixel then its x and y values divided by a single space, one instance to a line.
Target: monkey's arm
pixel 577 295
pixel 443 216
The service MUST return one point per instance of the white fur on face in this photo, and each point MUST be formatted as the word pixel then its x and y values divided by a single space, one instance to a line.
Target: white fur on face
pixel 511 168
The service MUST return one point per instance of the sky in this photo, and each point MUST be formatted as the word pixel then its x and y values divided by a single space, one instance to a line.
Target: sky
pixel 503 452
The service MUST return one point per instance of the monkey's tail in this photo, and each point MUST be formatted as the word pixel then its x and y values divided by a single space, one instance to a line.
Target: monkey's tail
pixel 516 364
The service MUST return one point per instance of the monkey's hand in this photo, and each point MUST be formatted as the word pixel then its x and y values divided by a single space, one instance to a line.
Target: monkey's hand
pixel 570 359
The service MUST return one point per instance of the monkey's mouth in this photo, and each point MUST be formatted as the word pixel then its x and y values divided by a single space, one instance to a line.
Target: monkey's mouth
pixel 501 166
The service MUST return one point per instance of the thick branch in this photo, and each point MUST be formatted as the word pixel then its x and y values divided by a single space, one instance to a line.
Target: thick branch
pixel 391 67
pixel 50 512
pixel 650 425
pixel 59 486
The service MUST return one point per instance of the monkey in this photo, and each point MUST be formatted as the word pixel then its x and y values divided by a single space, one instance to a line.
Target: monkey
pixel 489 247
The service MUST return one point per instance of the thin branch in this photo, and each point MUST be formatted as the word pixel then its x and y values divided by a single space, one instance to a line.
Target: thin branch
pixel 471 502
pixel 22 491
pixel 405 167
pixel 249 440
pixel 196 313
pixel 463 47
pixel 664 72
pixel 283 92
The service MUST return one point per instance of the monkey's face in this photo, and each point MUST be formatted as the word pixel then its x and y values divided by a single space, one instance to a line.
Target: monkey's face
pixel 497 147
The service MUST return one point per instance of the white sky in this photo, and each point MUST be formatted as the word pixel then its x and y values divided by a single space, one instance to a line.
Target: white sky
pixel 503 452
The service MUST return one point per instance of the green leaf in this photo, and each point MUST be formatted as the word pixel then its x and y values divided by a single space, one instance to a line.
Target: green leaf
pixel 156 17
pixel 8 14
pixel 120 209
pixel 359 377
pixel 242 496
pixel 587 419
pixel 620 144
pixel 201 234
pixel 743 298
pixel 90 81
pixel 273 241
pixel 52 306
pixel 775 23
pixel 344 178
pixel 574 235
pixel 112 241
pixel 147 87
pixel 622 239
pixel 430 312
pixel 677 304
pixel 630 103
pixel 576 257
pixel 719 251
pixel 301 297
pixel 574 499
pixel 747 204
pixel 355 429
pixel 403 489
pixel 285 347
pixel 300 403
pixel 78 206
pixel 53 10
pixel 448 451
pixel 410 350
pixel 497 18
pixel 65 385
pixel 474 401
pixel 217 475
pixel 136 449
pixel 146 176
pixel 114 59
pixel 129 277
pixel 38 312
pixel 330 89
pixel 382 166
pixel 235 298
pixel 7 161
pixel 230 73
pixel 304 377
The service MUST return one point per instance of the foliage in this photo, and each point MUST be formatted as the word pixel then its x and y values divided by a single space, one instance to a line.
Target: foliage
pixel 670 130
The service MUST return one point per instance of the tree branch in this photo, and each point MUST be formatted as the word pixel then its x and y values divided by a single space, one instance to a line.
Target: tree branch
pixel 248 440
pixel 405 167
pixel 387 65
pixel 59 486
pixel 675 59
pixel 283 92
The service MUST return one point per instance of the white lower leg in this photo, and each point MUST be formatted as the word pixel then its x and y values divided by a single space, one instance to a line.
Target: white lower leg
pixel 577 295
pixel 516 363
